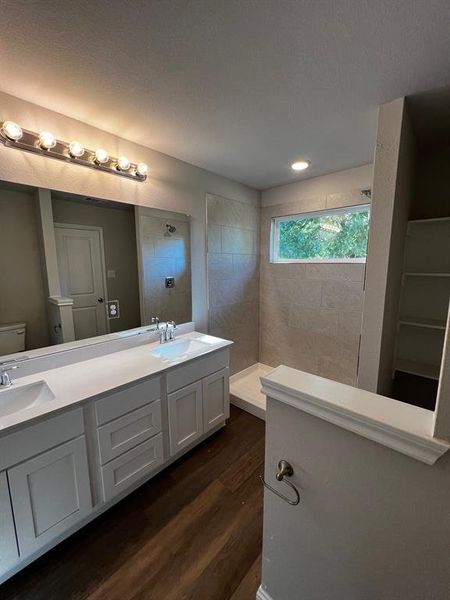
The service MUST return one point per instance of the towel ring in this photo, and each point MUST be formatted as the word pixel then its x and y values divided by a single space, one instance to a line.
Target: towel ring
pixel 284 470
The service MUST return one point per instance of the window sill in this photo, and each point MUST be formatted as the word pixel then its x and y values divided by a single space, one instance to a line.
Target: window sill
pixel 325 261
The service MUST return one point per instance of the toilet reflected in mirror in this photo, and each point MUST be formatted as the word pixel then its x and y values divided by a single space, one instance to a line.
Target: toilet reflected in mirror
pixel 12 338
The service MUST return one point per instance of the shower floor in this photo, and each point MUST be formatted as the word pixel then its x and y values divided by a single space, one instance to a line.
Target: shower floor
pixel 245 390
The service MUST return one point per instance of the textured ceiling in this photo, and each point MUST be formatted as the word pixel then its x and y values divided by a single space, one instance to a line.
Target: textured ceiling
pixel 241 88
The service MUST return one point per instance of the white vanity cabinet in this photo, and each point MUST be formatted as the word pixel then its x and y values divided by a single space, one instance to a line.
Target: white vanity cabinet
pixel 216 399
pixel 185 416
pixel 47 470
pixel 129 435
pixel 201 405
pixel 9 554
pixel 50 493
pixel 60 470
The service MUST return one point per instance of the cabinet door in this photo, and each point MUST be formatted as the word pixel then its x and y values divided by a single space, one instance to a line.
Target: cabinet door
pixel 50 493
pixel 185 416
pixel 8 544
pixel 216 399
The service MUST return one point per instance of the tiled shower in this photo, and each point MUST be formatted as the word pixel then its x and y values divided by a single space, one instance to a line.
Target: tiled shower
pixel 306 316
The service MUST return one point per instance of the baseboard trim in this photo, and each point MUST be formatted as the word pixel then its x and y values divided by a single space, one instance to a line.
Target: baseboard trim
pixel 262 594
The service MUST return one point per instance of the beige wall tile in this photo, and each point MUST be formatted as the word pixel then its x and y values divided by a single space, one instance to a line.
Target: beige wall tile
pixel 315 319
pixel 238 241
pixel 245 265
pixel 231 213
pixel 171 248
pixel 291 357
pixel 220 266
pixel 338 369
pixel 349 324
pixel 243 316
pixel 231 291
pixel 335 271
pixel 342 295
pixel 214 237
pixel 342 199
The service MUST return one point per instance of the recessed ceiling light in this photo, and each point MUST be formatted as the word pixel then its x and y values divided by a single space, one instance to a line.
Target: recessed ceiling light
pixel 300 165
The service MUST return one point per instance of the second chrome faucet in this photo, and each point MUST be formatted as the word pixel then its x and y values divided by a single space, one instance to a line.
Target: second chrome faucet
pixel 167 332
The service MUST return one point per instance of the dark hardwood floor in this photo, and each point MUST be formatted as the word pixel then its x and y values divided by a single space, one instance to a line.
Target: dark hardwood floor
pixel 194 532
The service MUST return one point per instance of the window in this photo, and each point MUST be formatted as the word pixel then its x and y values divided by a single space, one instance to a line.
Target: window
pixel 338 235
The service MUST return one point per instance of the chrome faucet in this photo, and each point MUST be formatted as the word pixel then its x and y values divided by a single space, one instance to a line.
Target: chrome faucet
pixel 155 320
pixel 167 334
pixel 5 379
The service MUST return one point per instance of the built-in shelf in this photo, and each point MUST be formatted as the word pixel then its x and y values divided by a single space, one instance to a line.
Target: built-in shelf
pixel 429 221
pixel 411 274
pixel 416 368
pixel 420 322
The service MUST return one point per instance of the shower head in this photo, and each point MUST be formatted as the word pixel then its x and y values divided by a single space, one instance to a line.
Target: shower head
pixel 170 228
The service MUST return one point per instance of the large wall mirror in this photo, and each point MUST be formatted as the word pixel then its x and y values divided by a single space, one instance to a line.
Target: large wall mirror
pixel 75 268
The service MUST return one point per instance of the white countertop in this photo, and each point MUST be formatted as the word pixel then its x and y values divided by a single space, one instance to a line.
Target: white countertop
pixel 400 426
pixel 74 383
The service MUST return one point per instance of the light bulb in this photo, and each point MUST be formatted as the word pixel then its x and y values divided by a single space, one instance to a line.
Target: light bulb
pixel 300 165
pixel 123 164
pixel 12 131
pixel 47 140
pixel 76 149
pixel 101 156
pixel 142 170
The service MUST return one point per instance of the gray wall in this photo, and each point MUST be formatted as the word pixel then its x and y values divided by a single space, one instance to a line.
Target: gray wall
pixel 22 289
pixel 310 314
pixel 432 191
pixel 119 239
pixel 372 523
pixel 164 256
pixel 233 277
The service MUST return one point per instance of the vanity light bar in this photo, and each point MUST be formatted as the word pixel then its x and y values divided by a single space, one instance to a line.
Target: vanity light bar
pixel 45 144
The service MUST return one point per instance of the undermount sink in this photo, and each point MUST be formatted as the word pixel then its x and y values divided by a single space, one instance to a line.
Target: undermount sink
pixel 179 349
pixel 14 399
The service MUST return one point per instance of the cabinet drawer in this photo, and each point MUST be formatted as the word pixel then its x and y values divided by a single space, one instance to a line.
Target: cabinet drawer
pixel 197 369
pixel 33 440
pixel 119 403
pixel 123 472
pixel 128 431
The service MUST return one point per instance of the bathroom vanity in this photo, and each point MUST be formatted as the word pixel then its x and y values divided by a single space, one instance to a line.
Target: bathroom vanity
pixel 76 439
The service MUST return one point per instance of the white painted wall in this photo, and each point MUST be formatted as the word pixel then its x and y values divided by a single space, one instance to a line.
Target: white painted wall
pixel 372 523
pixel 342 181
pixel 390 204
pixel 171 185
